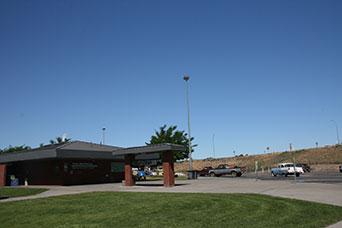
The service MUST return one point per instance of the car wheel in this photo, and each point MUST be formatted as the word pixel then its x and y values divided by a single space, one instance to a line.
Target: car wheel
pixel 297 174
pixel 273 174
pixel 234 174
pixel 212 174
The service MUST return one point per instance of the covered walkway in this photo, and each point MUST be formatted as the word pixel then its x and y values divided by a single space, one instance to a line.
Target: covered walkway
pixel 153 151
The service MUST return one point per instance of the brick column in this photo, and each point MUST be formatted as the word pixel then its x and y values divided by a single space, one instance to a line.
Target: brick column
pixel 169 176
pixel 128 170
pixel 2 175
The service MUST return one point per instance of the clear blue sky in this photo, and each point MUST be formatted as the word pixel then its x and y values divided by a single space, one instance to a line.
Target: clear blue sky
pixel 263 73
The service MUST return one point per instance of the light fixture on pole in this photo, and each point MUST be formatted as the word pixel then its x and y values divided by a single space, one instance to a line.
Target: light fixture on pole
pixel 337 133
pixel 186 79
pixel 103 135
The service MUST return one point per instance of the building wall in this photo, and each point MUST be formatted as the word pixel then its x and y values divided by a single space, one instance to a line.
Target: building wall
pixel 65 172
pixel 91 172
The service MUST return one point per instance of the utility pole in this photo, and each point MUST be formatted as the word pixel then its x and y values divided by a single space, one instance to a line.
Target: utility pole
pixel 186 79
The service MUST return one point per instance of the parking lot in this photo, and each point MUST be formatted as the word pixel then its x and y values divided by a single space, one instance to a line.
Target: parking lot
pixel 313 177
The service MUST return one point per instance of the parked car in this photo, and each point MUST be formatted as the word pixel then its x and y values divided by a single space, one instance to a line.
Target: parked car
pixel 285 169
pixel 178 174
pixel 305 167
pixel 340 168
pixel 141 175
pixel 205 171
pixel 225 169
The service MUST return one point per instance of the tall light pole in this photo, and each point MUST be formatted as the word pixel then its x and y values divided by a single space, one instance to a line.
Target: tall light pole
pixel 214 145
pixel 294 163
pixel 103 135
pixel 186 79
pixel 337 134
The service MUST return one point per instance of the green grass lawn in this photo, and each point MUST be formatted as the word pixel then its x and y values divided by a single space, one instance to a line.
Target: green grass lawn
pixel 123 209
pixel 16 192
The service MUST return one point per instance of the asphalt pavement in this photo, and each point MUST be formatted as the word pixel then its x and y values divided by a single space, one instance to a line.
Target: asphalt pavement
pixel 326 177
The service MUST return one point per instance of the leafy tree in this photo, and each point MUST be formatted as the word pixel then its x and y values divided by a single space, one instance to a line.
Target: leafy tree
pixel 12 149
pixel 174 136
pixel 59 140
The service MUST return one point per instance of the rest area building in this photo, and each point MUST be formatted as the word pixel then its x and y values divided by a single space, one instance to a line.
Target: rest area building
pixel 78 162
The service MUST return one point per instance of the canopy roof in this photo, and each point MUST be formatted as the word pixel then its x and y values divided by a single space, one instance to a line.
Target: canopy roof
pixel 150 149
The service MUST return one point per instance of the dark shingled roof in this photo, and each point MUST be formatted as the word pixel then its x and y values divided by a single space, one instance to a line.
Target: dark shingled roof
pixel 84 150
pixel 74 149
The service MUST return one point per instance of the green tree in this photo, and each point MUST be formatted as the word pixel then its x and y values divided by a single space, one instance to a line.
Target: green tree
pixel 12 149
pixel 174 136
pixel 59 140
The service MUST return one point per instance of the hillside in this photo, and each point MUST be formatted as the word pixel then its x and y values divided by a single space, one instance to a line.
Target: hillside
pixel 326 158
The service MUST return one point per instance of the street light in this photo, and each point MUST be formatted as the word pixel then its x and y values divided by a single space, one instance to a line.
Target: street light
pixel 103 135
pixel 294 163
pixel 214 145
pixel 186 79
pixel 337 134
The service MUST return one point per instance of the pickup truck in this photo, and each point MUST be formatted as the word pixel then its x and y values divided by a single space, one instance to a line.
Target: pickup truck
pixel 225 169
pixel 285 169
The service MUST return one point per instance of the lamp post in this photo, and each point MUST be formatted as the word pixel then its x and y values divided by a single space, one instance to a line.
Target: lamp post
pixel 103 135
pixel 337 134
pixel 214 145
pixel 294 163
pixel 268 149
pixel 186 79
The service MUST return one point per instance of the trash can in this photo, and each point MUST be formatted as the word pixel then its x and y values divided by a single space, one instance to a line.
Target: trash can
pixel 15 182
pixel 192 174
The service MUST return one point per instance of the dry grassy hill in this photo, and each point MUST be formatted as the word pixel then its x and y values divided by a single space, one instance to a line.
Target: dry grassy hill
pixel 324 158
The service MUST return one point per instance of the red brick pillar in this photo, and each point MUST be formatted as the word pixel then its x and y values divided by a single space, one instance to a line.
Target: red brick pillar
pixel 2 175
pixel 128 170
pixel 169 176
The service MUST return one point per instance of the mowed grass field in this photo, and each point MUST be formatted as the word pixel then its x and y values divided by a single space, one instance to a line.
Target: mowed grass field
pixel 16 192
pixel 122 209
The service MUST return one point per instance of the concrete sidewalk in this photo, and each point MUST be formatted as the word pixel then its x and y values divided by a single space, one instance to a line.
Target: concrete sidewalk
pixel 316 192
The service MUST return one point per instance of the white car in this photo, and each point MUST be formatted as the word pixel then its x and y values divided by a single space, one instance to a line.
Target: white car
pixel 286 169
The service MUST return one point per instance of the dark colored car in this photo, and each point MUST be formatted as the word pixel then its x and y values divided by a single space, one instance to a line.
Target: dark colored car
pixel 141 175
pixel 340 168
pixel 205 171
pixel 306 168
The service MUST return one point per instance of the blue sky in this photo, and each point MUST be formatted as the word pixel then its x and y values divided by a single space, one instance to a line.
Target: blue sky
pixel 263 73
